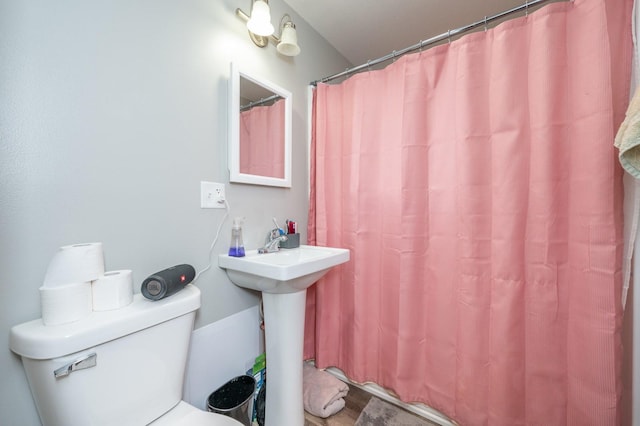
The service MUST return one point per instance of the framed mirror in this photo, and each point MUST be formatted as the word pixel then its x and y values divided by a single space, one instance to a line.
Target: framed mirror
pixel 260 131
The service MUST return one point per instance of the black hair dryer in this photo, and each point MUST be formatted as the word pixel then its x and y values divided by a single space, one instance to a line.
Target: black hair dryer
pixel 167 282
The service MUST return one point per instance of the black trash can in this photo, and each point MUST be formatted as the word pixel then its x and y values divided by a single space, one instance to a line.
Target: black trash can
pixel 232 399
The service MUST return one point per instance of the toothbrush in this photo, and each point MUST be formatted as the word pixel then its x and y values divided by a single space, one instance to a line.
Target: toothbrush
pixel 280 230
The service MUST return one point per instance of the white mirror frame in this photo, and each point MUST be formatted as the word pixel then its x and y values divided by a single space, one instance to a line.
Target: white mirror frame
pixel 234 131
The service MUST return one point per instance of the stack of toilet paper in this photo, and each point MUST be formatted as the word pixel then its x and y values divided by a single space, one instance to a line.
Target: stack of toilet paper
pixel 76 284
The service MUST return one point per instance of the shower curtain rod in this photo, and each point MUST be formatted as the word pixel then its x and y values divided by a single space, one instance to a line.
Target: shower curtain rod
pixel 436 39
pixel 259 102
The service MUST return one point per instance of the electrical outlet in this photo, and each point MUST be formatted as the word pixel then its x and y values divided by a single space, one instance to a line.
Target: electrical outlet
pixel 212 195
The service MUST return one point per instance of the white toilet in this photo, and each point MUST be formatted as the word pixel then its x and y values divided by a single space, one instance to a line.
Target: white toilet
pixel 120 367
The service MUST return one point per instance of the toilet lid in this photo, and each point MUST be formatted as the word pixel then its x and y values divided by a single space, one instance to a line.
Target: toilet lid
pixel 184 414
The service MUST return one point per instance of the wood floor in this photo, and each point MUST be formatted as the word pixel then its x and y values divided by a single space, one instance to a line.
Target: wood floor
pixel 355 402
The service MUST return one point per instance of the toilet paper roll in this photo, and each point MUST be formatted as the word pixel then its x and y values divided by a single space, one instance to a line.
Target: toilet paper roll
pixel 65 303
pixel 74 264
pixel 113 290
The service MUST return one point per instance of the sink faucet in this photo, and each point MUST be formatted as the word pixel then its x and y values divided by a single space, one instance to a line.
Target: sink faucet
pixel 273 243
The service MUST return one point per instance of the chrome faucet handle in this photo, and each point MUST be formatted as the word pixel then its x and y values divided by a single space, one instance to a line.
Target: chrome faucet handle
pixel 273 244
pixel 275 233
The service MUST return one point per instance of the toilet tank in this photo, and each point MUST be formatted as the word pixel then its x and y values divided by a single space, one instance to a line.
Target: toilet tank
pixel 129 362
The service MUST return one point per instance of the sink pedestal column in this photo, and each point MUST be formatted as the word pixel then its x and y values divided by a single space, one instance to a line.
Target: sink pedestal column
pixel 284 335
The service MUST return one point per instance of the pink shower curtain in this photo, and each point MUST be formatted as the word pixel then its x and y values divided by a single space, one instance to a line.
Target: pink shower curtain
pixel 477 188
pixel 262 140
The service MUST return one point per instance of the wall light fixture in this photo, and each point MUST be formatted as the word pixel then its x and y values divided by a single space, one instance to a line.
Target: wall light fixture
pixel 260 21
pixel 261 30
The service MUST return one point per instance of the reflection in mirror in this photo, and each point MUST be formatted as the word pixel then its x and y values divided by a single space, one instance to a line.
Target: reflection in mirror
pixel 261 131
pixel 260 136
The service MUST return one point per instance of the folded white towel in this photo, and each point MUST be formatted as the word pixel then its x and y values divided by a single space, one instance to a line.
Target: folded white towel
pixel 628 138
pixel 323 395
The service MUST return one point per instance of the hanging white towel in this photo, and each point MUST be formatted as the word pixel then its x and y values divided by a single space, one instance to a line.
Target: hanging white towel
pixel 628 138
pixel 628 143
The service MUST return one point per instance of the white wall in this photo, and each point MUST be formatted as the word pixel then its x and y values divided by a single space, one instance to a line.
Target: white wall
pixel 111 113
pixel 221 351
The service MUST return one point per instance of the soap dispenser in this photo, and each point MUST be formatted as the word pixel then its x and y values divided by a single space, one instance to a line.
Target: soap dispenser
pixel 236 248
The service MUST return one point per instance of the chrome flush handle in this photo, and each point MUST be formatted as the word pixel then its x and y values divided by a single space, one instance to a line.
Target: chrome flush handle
pixel 86 361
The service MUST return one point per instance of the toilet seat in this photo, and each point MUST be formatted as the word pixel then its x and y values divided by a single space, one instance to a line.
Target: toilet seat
pixel 185 414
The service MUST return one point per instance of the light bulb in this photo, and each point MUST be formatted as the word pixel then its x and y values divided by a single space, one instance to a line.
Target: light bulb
pixel 260 22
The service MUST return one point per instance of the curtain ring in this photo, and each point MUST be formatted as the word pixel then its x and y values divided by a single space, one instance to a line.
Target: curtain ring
pixel 420 46
pixel 485 23
pixel 394 56
pixel 369 65
pixel 449 36
pixel 526 8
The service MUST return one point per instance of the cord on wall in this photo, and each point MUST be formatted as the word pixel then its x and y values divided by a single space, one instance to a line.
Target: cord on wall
pixel 215 239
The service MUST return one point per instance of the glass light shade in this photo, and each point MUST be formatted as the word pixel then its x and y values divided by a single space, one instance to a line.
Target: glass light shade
pixel 289 40
pixel 260 22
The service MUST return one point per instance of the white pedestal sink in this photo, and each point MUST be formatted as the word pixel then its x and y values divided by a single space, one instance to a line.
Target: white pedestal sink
pixel 283 278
